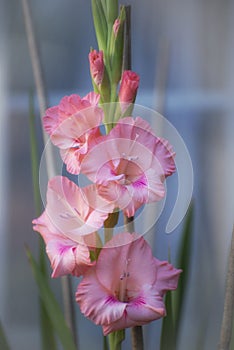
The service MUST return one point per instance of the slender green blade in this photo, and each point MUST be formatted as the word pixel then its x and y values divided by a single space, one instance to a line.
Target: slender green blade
pixel 105 343
pixel 183 263
pixel 100 24
pixel 51 305
pixel 47 333
pixel 3 340
pixel 34 157
pixel 168 341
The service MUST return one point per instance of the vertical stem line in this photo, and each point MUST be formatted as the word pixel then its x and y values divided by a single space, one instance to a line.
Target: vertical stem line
pixel 136 332
pixel 226 327
pixel 42 100
pixel 127 56
pixel 39 79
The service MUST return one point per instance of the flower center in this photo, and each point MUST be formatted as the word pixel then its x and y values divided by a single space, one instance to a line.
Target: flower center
pixel 123 292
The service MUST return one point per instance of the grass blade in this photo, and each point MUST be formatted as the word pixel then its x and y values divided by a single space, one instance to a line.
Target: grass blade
pixel 167 341
pixel 47 333
pixel 3 340
pixel 53 309
pixel 184 264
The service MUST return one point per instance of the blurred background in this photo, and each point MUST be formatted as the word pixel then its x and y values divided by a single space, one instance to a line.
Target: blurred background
pixel 184 53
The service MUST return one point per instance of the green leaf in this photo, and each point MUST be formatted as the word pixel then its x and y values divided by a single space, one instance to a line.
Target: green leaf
pixel 47 333
pixel 34 156
pixel 100 24
pixel 184 264
pixel 105 343
pixel 3 340
pixel 116 48
pixel 167 341
pixel 115 339
pixel 112 10
pixel 51 305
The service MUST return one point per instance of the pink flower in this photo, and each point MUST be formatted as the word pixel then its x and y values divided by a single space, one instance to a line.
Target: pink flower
pixel 96 66
pixel 73 125
pixel 126 286
pixel 129 165
pixel 68 224
pixel 66 256
pixel 75 211
pixel 128 87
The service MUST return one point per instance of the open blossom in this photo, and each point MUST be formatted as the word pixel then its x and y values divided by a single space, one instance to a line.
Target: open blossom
pixel 75 211
pixel 129 165
pixel 126 286
pixel 68 224
pixel 66 256
pixel 73 125
pixel 128 87
pixel 96 66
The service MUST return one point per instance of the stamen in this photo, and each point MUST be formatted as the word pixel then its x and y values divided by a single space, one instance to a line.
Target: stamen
pixel 66 216
pixel 123 283
pixel 76 210
pixel 129 158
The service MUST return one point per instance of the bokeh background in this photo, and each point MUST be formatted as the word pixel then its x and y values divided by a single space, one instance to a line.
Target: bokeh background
pixel 184 53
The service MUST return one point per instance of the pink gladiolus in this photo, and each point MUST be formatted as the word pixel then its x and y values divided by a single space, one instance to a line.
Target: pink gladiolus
pixel 66 256
pixel 126 286
pixel 68 224
pixel 128 87
pixel 75 211
pixel 96 66
pixel 129 165
pixel 73 125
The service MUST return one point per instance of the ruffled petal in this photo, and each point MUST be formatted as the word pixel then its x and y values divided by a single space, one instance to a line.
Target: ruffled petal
pixel 96 302
pixel 66 256
pixel 167 277
pixel 75 211
pixel 72 158
pixel 60 252
pixel 126 253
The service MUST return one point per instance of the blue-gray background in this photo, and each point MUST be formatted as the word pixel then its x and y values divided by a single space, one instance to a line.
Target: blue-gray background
pixel 184 53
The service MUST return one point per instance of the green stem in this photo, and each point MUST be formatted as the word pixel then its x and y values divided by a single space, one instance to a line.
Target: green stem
pixel 116 339
pixel 226 327
pixel 136 332
pixel 137 338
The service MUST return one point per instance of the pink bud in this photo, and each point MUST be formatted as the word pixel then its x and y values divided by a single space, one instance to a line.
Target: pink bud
pixel 116 26
pixel 128 87
pixel 96 66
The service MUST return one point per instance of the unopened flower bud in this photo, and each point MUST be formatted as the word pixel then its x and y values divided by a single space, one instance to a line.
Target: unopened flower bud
pixel 128 87
pixel 116 26
pixel 96 66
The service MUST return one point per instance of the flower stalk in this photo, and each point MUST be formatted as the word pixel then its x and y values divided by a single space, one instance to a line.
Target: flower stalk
pixel 227 322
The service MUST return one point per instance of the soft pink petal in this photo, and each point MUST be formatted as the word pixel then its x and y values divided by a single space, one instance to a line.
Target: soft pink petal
pixel 133 257
pixel 145 309
pixel 93 98
pixel 72 158
pixel 148 188
pixel 139 130
pixel 66 256
pixel 60 252
pixel 51 119
pixel 167 276
pixel 72 131
pixel 75 211
pixel 96 302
